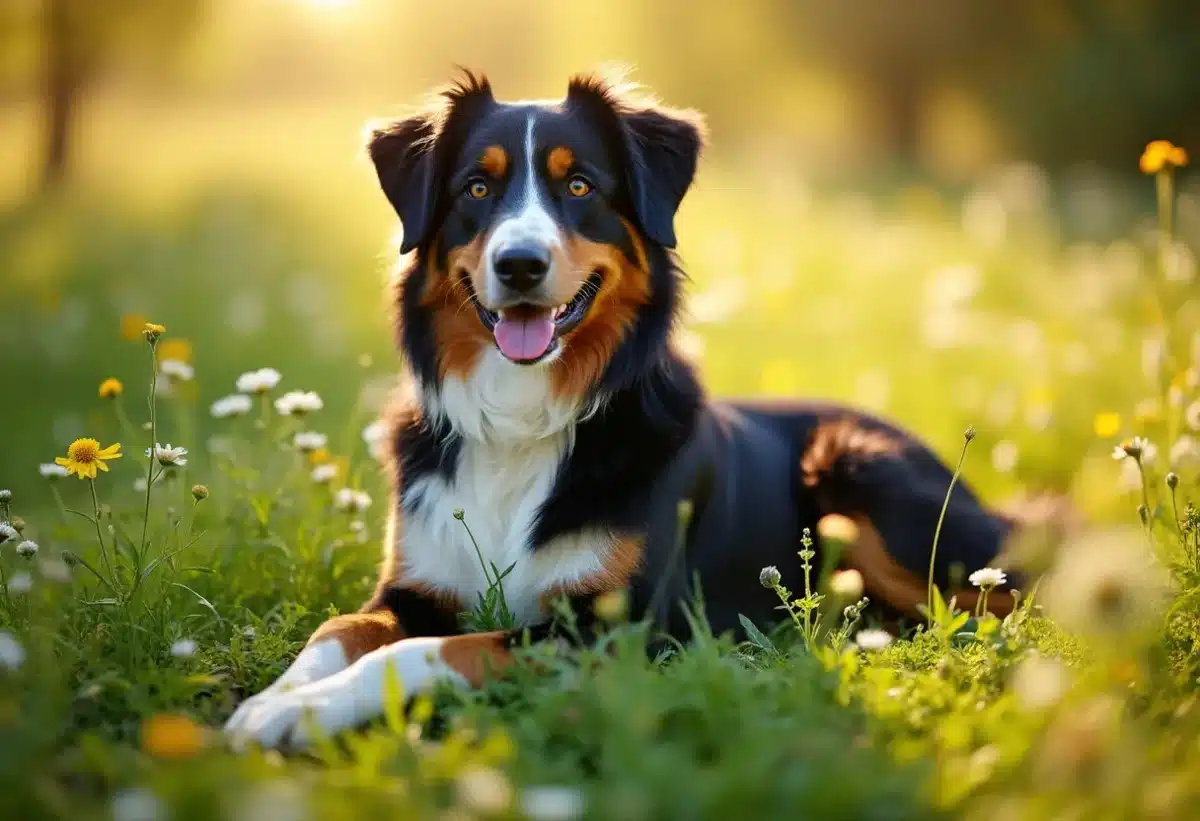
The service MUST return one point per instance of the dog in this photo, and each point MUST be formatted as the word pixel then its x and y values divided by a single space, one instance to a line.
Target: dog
pixel 555 430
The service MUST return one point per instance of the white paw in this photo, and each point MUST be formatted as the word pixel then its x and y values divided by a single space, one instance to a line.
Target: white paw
pixel 281 717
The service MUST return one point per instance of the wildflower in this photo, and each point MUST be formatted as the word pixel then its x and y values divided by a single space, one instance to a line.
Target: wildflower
pixel 7 532
pixel 769 577
pixel 51 471
pixel 56 570
pixel 27 549
pixel 259 381
pixel 988 577
pixel 374 432
pixel 484 790
pixel 140 484
pixel 249 632
pixel 611 606
pixel 550 803
pixel 84 456
pixel 298 403
pixel 137 804
pixel 969 433
pixel 177 369
pixel 320 456
pixel 12 654
pixel 151 332
pixel 184 648
pixel 1185 451
pixel 1172 480
pixel 1105 581
pixel 307 441
pixel 1192 415
pixel 836 529
pixel 351 501
pixel 279 800
pixel 111 388
pixel 172 736
pixel 1161 155
pixel 168 456
pixel 131 326
pixel 873 639
pixel 1106 424
pixel 324 474
pixel 20 583
pixel 233 405
pixel 199 492
pixel 846 584
pixel 1133 448
pixel 18 524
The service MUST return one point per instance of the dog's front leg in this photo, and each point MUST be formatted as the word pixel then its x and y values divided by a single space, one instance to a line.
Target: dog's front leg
pixel 356 694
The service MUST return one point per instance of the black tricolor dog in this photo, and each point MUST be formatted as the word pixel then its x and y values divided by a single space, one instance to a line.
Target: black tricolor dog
pixel 553 419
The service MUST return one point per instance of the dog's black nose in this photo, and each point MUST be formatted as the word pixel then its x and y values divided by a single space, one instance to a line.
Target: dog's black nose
pixel 522 268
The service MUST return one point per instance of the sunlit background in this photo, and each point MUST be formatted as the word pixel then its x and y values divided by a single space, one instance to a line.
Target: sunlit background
pixel 930 208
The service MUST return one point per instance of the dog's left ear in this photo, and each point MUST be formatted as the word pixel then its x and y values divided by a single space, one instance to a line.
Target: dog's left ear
pixel 662 147
pixel 403 155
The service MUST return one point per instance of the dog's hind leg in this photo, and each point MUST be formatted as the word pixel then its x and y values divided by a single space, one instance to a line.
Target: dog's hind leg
pixel 894 490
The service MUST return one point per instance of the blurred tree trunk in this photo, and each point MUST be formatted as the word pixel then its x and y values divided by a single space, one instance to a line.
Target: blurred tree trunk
pixel 61 91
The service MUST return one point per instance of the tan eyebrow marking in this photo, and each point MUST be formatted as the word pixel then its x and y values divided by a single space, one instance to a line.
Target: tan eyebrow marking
pixel 494 161
pixel 559 162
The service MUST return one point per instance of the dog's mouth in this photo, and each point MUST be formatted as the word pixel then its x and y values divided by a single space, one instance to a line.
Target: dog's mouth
pixel 527 333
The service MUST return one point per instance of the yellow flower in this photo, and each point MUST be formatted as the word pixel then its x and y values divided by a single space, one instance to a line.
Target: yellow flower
pixel 85 455
pixel 1107 424
pixel 111 388
pixel 131 326
pixel 152 332
pixel 320 456
pixel 178 349
pixel 1160 155
pixel 172 736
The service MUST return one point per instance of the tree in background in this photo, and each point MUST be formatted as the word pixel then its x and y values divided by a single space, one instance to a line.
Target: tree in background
pixel 69 44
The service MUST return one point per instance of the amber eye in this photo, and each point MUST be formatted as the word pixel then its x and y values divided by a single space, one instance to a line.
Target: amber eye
pixel 579 187
pixel 477 189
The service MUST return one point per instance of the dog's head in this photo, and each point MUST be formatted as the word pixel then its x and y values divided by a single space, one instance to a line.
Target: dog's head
pixel 540 228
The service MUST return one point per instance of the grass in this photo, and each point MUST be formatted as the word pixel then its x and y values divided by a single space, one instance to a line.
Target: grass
pixel 145 617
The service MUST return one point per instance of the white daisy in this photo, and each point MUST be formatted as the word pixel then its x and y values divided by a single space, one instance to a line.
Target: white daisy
pixel 1184 452
pixel 177 369
pixel 12 654
pixel 988 577
pixel 550 803
pixel 137 804
pixel 259 381
pixel 184 648
pixel 324 474
pixel 56 570
pixel 7 532
pixel 1136 448
pixel 168 456
pixel 20 583
pixel 1004 456
pixel 873 639
pixel 352 501
pixel 50 470
pixel 235 404
pixel 309 440
pixel 1192 415
pixel 27 549
pixel 375 437
pixel 295 403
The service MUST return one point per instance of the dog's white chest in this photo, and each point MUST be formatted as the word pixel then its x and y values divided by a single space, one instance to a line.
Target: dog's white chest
pixel 499 484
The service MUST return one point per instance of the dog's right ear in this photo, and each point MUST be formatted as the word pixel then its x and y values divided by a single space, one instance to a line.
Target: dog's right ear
pixel 410 154
pixel 403 155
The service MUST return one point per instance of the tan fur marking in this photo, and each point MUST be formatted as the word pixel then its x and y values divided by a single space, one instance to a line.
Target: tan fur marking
pixel 559 162
pixel 624 289
pixel 360 633
pixel 494 161
pixel 833 439
pixel 622 562
pixel 460 335
pixel 476 655
pixel 884 579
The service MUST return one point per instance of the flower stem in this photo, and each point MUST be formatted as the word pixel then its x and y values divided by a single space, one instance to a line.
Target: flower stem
pixel 153 441
pixel 937 534
pixel 100 537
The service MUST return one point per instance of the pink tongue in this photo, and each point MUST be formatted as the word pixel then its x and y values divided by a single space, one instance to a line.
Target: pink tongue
pixel 524 338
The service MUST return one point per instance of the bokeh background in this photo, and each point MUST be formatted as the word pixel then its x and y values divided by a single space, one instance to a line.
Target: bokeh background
pixel 930 208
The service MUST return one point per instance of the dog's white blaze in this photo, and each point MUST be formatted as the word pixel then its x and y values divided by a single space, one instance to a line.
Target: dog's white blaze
pixel 532 223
